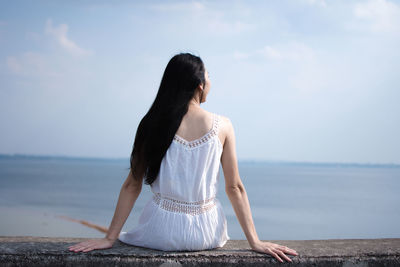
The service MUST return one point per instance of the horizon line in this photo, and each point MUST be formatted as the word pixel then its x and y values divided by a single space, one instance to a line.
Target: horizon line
pixel 242 160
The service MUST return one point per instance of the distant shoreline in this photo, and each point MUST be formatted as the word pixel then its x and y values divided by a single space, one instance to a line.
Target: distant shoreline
pixel 243 161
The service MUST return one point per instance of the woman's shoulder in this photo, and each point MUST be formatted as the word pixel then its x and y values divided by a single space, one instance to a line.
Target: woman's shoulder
pixel 224 120
pixel 225 126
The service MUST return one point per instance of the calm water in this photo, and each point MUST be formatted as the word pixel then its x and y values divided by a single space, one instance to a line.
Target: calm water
pixel 288 201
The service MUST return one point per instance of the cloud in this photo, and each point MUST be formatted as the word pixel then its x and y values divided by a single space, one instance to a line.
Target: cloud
pixel 60 35
pixel 46 69
pixel 217 24
pixel 291 51
pixel 31 64
pixel 13 65
pixel 209 18
pixel 316 2
pixel 382 15
pixel 240 55
pixel 305 72
pixel 179 6
pixel 270 52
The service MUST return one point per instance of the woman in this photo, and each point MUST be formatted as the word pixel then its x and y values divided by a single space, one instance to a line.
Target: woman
pixel 177 149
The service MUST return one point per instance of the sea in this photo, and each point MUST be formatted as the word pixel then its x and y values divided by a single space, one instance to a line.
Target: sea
pixel 50 196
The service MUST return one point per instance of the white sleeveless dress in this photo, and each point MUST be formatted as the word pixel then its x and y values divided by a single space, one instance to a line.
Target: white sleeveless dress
pixel 183 213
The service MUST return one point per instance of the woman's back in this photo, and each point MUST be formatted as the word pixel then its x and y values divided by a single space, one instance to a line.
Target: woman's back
pixel 184 213
pixel 189 170
pixel 196 123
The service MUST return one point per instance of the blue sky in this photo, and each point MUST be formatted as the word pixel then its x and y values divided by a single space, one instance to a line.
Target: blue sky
pixel 301 80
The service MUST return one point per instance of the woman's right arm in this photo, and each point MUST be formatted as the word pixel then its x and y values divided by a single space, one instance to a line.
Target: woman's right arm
pixel 128 195
pixel 238 197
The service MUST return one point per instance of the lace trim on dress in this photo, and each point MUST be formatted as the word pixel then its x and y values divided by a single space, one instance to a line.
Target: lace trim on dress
pixel 174 205
pixel 204 138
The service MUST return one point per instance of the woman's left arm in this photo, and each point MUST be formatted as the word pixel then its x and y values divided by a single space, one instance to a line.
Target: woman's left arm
pixel 128 195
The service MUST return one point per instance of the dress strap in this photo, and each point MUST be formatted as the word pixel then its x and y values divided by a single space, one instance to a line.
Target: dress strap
pixel 216 123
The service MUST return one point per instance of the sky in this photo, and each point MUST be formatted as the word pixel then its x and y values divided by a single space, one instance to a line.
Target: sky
pixel 300 80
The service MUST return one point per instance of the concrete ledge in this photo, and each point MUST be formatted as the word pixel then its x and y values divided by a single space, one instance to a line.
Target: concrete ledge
pixel 43 251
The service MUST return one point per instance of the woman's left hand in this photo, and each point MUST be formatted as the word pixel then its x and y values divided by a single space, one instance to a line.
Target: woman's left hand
pixel 92 244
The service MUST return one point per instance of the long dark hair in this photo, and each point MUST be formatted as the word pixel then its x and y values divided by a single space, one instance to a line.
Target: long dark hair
pixel 183 74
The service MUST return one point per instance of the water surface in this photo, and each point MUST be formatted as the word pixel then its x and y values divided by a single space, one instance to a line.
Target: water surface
pixel 288 201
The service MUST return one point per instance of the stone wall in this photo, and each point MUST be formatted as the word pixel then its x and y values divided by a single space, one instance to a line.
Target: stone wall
pixel 44 251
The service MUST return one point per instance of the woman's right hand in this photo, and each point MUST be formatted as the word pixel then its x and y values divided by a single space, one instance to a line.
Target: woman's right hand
pixel 100 243
pixel 274 250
